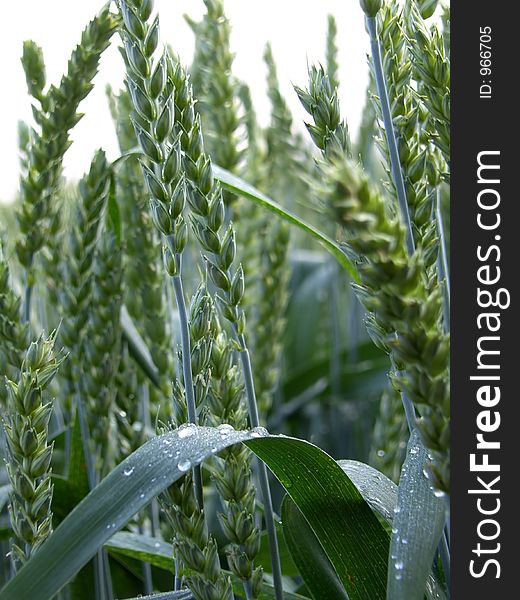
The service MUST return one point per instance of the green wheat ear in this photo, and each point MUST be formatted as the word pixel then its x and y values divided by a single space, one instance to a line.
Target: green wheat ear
pixel 75 291
pixel 27 425
pixel 393 288
pixel 144 289
pixel 55 116
pixel 101 350
pixel 216 88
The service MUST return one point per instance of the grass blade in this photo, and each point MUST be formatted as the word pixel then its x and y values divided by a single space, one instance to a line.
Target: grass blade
pixel 313 563
pixel 109 506
pixel 242 188
pixel 349 532
pixel 377 489
pixel 381 493
pixel 413 544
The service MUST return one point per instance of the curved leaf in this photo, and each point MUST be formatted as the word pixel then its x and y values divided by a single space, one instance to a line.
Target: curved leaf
pixel 377 489
pixel 242 188
pixel 110 505
pixel 349 532
pixel 313 563
pixel 417 527
pixel 381 493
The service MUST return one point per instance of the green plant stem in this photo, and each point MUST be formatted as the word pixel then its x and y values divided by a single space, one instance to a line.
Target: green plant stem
pixel 186 369
pixel 147 571
pixel 442 264
pixel 245 360
pixel 395 163
pixel 248 590
pixel 409 409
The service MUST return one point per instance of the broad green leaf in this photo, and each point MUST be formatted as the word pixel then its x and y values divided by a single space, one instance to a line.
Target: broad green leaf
pixel 145 548
pixel 242 188
pixel 417 527
pixel 377 489
pixel 312 561
pixel 137 347
pixel 381 493
pixel 109 506
pixel 159 554
pixel 349 532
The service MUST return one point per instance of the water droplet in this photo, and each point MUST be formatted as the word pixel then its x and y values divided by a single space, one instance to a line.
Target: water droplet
pixel 381 453
pixel 156 545
pixel 404 541
pixel 257 432
pixel 397 510
pixel 183 465
pixel 141 496
pixel 414 451
pixel 398 577
pixel 186 431
pixel 214 449
pixel 128 471
pixel 225 429
pixel 439 493
pixel 399 565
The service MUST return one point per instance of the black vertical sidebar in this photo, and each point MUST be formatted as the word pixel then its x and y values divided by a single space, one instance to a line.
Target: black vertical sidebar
pixel 485 356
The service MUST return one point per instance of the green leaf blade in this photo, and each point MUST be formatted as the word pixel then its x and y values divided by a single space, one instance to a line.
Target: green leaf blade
pixel 110 505
pixel 417 527
pixel 351 535
pixel 242 188
pixel 312 561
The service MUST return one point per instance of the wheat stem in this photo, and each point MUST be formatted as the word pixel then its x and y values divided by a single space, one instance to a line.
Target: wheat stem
pixel 395 163
pixel 245 360
pixel 186 370
pixel 442 264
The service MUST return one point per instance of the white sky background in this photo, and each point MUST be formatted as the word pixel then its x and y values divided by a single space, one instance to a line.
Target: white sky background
pixel 296 29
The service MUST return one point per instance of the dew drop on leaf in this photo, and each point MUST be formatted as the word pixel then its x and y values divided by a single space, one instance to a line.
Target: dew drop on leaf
pixel 183 465
pixel 257 432
pixel 186 431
